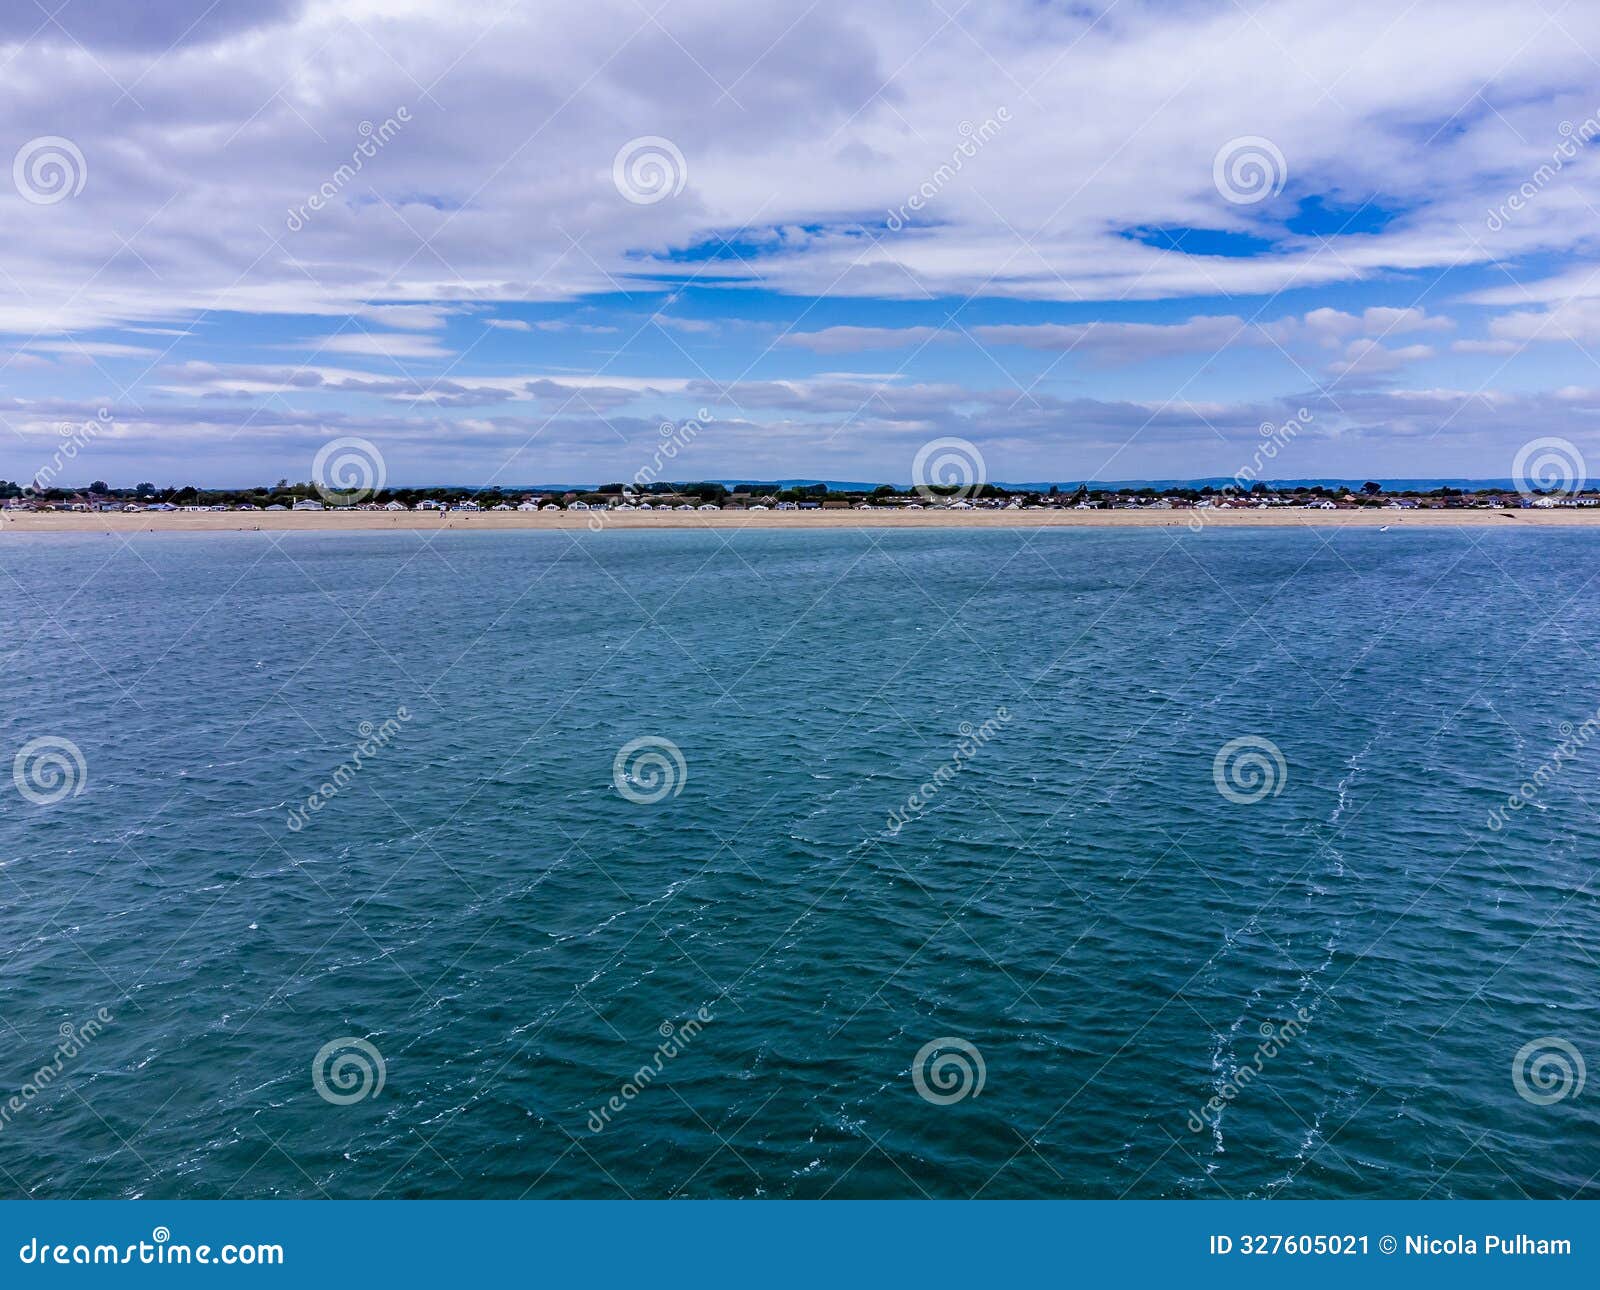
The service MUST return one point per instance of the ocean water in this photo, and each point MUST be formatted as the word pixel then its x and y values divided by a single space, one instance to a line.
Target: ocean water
pixel 739 963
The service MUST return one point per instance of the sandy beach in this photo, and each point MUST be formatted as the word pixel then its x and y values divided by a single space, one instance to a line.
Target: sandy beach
pixel 487 521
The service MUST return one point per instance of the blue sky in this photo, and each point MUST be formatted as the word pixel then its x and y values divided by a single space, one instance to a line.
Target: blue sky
pixel 507 243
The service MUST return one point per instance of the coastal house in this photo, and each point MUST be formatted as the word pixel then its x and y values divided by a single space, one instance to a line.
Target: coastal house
pixel 527 506
pixel 304 504
pixel 394 506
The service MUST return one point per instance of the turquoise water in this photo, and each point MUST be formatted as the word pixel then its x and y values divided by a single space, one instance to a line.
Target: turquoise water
pixel 485 905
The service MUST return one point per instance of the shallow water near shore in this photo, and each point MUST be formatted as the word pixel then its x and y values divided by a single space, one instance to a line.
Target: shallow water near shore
pixel 501 912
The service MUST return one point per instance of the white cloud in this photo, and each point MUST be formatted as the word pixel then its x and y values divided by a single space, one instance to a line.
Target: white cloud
pixel 500 185
pixel 798 135
pixel 854 340
pixel 94 349
pixel 1366 357
pixel 379 345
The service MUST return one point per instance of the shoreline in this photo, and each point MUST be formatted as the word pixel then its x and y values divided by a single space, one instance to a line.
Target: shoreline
pixel 610 520
pixel 600 521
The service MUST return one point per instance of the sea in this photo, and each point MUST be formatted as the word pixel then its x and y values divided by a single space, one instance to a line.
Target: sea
pixel 772 863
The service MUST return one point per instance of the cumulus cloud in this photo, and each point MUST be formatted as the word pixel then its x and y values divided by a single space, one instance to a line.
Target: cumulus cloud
pixel 1367 357
pixel 379 179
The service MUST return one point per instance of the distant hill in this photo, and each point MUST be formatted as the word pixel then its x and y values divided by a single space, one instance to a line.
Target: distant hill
pixel 1065 486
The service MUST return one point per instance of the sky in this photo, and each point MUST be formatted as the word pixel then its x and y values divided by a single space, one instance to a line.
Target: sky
pixel 516 243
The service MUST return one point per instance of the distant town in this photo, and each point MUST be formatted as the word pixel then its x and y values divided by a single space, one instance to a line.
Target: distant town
pixel 715 496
